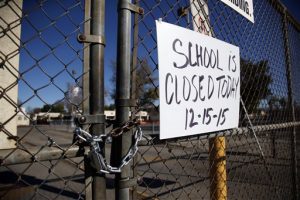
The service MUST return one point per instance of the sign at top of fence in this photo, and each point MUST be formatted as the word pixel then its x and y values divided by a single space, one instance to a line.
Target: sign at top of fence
pixel 243 7
pixel 199 82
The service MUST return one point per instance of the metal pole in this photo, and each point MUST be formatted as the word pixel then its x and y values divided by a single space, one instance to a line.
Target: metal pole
pixel 291 105
pixel 121 144
pixel 86 92
pixel 217 163
pixel 97 87
pixel 133 86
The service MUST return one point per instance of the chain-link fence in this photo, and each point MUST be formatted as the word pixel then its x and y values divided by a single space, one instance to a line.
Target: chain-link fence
pixel 258 158
pixel 41 79
pixel 51 72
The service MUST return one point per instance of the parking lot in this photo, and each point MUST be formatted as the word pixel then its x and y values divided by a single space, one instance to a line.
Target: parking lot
pixel 166 170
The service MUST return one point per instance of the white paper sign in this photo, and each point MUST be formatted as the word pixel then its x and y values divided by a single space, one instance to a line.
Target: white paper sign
pixel 244 7
pixel 199 82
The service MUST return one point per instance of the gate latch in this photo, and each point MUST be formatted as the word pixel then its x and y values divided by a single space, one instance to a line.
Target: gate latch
pixel 96 39
pixel 131 7
pixel 91 119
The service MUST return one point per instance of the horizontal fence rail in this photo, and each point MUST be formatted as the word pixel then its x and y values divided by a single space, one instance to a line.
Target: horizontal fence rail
pixel 21 156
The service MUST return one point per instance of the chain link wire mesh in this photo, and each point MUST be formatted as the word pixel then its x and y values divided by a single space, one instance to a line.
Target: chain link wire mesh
pixel 41 78
pixel 259 168
pixel 41 69
pixel 294 45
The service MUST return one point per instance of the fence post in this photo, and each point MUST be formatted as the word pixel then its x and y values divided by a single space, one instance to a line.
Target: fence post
pixel 290 104
pixel 217 163
pixel 121 144
pixel 133 85
pixel 86 92
pixel 97 87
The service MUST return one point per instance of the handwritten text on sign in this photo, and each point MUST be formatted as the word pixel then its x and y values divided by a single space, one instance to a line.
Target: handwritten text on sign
pixel 199 79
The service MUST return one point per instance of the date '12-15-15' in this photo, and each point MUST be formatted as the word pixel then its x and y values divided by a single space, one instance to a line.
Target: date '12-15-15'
pixel 206 117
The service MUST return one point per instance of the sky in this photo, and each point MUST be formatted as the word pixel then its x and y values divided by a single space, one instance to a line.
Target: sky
pixel 51 58
pixel 293 7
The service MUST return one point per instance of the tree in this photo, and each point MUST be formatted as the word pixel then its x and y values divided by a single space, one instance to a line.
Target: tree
pixel 46 108
pixel 109 107
pixel 277 103
pixel 278 108
pixel 36 110
pixel 145 91
pixel 56 107
pixel 255 83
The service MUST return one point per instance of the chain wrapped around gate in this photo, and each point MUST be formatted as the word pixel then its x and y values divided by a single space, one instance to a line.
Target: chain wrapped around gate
pixel 96 154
